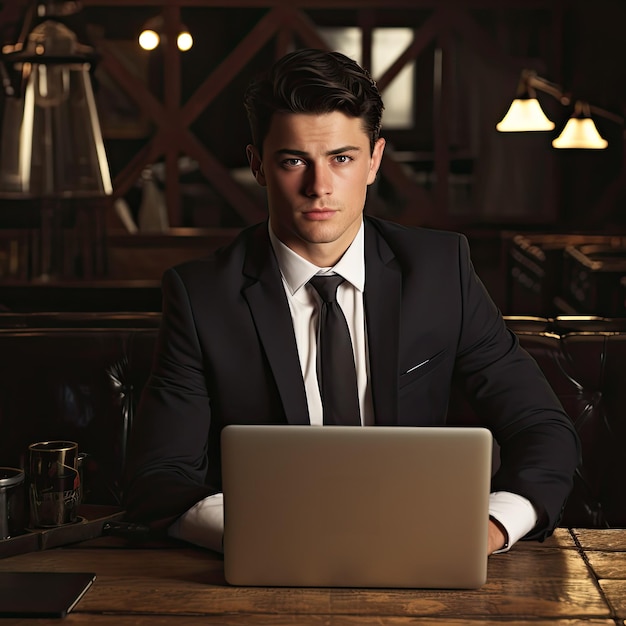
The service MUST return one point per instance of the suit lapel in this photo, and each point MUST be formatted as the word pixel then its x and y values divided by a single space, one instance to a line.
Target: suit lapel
pixel 268 304
pixel 383 288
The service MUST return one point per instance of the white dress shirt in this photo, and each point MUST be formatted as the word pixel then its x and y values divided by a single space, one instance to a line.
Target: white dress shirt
pixel 203 524
pixel 304 305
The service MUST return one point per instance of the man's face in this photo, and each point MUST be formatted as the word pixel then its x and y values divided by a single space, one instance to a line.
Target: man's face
pixel 316 169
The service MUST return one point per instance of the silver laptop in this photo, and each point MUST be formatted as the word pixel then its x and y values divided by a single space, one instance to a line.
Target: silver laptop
pixel 308 506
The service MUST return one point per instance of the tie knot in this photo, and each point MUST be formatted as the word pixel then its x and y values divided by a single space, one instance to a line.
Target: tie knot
pixel 326 286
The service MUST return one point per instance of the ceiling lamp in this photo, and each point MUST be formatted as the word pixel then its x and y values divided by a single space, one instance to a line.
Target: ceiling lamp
pixel 149 39
pixel 580 131
pixel 51 139
pixel 184 41
pixel 524 114
pixel 153 32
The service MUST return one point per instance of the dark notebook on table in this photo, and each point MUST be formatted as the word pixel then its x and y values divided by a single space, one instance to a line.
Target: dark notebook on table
pixel 42 594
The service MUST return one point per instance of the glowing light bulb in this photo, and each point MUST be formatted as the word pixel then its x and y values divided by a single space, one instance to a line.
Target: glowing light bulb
pixel 184 41
pixel 149 40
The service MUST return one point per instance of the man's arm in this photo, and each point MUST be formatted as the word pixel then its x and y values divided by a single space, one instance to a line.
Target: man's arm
pixel 167 459
pixel 539 448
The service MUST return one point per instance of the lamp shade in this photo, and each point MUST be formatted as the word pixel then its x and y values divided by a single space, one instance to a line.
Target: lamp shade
pixel 51 140
pixel 580 132
pixel 524 114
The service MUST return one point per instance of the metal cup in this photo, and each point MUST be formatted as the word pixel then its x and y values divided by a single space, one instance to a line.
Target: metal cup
pixel 54 483
pixel 11 501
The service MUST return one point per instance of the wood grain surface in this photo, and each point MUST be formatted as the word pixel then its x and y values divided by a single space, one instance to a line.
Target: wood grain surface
pixel 554 583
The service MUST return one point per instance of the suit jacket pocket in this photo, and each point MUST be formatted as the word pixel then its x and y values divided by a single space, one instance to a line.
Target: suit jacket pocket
pixel 421 369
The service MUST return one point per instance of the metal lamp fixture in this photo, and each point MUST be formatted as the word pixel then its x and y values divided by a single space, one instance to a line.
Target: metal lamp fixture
pixel 152 33
pixel 54 174
pixel 51 139
pixel 525 114
pixel 580 131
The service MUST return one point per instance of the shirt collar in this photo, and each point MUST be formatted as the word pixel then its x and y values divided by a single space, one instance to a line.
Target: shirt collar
pixel 297 271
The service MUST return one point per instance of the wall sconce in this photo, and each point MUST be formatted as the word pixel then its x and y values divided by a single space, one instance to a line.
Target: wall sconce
pixel 525 114
pixel 152 33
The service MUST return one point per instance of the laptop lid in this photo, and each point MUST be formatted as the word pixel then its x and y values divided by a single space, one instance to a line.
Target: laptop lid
pixel 356 507
pixel 42 594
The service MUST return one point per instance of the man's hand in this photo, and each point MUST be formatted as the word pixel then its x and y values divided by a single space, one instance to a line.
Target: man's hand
pixel 497 538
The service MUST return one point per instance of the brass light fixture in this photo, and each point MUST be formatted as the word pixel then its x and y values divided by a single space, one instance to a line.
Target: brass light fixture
pixel 580 131
pixel 525 114
pixel 51 139
pixel 54 174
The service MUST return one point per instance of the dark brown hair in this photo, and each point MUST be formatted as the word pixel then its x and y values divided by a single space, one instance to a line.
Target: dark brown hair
pixel 313 81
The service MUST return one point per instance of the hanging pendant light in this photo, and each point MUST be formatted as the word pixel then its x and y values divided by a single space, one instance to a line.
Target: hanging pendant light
pixel 580 132
pixel 51 139
pixel 524 114
pixel 153 31
pixel 54 174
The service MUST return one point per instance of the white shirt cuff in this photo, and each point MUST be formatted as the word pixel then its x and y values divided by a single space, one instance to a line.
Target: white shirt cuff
pixel 202 524
pixel 516 514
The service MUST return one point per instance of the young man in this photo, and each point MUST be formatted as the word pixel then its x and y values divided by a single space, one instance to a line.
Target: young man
pixel 238 340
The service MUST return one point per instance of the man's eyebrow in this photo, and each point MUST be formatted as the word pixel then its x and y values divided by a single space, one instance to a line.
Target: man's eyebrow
pixel 343 149
pixel 302 153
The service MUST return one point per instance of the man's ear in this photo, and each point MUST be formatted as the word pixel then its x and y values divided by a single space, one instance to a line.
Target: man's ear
pixel 377 157
pixel 256 164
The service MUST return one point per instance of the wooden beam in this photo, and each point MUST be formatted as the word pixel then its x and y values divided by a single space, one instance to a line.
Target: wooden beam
pixel 172 97
pixel 131 173
pixel 216 82
pixel 423 36
pixel 327 4
pixel 134 88
pixel 441 119
pixel 222 181
pixel 285 20
pixel 307 31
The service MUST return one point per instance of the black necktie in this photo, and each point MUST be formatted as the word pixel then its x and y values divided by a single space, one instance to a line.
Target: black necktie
pixel 335 359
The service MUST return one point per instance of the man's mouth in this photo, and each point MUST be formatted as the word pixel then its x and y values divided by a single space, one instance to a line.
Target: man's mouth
pixel 319 214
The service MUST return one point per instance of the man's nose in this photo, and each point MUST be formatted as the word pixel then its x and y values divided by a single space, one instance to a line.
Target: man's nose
pixel 318 181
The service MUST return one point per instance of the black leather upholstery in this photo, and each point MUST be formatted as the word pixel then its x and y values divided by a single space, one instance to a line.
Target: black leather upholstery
pixel 79 377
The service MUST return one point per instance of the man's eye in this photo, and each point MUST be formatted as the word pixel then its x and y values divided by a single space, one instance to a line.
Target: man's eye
pixel 343 158
pixel 292 162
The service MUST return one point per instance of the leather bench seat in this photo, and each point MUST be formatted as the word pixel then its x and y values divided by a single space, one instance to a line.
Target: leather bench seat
pixel 79 377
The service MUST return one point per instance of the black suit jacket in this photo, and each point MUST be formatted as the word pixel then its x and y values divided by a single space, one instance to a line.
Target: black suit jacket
pixel 227 354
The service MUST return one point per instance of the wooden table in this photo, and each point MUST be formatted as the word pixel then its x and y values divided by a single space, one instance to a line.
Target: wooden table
pixel 576 577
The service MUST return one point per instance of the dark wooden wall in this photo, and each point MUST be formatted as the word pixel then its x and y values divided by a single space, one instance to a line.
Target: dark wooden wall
pixel 190 103
pixel 450 169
